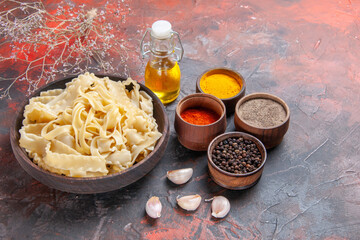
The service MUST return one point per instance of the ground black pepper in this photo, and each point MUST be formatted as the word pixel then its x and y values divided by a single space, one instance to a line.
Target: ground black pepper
pixel 237 155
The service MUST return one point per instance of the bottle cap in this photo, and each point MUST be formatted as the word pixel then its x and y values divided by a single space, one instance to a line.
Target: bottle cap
pixel 161 29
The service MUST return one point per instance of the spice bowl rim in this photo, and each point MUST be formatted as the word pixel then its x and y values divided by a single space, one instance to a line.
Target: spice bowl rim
pixel 197 137
pixel 243 87
pixel 258 95
pixel 238 134
pixel 177 109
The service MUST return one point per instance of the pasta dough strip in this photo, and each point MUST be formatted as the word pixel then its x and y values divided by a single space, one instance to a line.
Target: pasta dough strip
pixel 93 127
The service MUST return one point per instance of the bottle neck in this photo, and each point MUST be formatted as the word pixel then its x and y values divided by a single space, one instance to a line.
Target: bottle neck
pixel 162 58
pixel 162 47
pixel 161 54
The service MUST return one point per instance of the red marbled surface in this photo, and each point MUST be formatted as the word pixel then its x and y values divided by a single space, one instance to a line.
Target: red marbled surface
pixel 306 52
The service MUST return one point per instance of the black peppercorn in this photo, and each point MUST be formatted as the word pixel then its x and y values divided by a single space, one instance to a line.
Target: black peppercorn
pixel 237 155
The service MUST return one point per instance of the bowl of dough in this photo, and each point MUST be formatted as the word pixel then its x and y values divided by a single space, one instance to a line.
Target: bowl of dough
pixel 90 133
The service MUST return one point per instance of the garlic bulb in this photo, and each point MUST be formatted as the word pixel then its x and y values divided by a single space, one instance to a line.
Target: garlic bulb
pixel 189 203
pixel 153 207
pixel 220 206
pixel 180 176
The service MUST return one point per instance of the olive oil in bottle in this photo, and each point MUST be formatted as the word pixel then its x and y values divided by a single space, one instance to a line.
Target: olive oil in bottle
pixel 162 72
pixel 162 76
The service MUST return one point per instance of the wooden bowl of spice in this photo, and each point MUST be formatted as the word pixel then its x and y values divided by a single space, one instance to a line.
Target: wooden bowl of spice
pixel 263 115
pixel 236 160
pixel 199 118
pixel 224 83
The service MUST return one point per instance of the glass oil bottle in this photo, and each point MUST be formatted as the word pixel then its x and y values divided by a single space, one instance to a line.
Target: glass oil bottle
pixel 162 72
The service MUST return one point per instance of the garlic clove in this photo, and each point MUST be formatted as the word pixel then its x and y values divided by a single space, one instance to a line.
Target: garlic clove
pixel 220 206
pixel 189 203
pixel 180 176
pixel 153 207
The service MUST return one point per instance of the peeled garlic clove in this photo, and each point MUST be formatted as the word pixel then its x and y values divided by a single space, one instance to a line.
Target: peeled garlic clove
pixel 189 203
pixel 180 176
pixel 220 206
pixel 153 207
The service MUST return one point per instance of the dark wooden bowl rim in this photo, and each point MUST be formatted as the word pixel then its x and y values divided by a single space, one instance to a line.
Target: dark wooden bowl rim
pixel 267 96
pixel 223 136
pixel 25 156
pixel 243 87
pixel 201 95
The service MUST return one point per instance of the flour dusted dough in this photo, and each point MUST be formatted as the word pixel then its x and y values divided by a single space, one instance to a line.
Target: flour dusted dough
pixel 93 127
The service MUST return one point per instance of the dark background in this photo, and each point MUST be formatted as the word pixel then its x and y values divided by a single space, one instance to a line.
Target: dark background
pixel 306 52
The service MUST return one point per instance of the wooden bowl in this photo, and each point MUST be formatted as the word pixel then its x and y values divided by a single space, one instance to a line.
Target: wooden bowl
pixel 269 136
pixel 235 181
pixel 198 137
pixel 229 102
pixel 91 184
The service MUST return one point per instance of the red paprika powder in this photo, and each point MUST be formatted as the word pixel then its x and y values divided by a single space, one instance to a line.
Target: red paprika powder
pixel 199 116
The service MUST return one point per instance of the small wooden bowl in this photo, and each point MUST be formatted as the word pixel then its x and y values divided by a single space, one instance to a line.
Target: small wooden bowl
pixel 270 136
pixel 229 102
pixel 235 181
pixel 91 184
pixel 198 137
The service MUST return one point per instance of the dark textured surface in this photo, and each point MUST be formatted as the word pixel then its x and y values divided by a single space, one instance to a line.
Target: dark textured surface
pixel 306 52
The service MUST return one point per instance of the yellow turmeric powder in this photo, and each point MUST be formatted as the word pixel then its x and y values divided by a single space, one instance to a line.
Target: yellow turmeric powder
pixel 220 85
